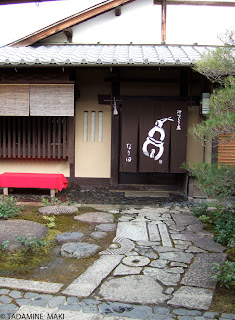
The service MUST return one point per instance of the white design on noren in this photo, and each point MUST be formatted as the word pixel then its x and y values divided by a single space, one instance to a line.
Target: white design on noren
pixel 150 140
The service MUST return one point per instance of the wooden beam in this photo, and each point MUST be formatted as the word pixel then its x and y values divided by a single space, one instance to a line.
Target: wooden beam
pixel 163 37
pixel 69 22
pixel 69 34
pixel 198 3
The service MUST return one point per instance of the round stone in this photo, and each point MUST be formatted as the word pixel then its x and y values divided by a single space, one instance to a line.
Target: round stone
pixel 79 250
pixel 97 235
pixel 114 246
pixel 66 237
pixel 56 210
pixel 95 217
pixel 136 261
pixel 107 227
pixel 10 229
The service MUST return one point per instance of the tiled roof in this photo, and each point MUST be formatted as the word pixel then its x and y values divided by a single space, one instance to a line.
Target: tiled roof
pixel 106 55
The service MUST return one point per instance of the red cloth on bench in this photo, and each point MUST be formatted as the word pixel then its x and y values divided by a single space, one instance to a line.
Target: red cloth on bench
pixel 33 180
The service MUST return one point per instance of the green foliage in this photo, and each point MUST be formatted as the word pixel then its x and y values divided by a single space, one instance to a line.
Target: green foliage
pixel 56 202
pixel 219 67
pixel 8 207
pixel 51 221
pixel 3 245
pixel 224 273
pixel 214 182
pixel 200 209
pixel 31 245
pixel 225 226
pixel 205 219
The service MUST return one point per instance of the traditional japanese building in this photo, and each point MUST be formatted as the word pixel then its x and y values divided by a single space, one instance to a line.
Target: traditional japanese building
pixel 101 98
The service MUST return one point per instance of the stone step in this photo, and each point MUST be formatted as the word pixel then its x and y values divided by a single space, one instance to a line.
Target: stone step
pixel 88 281
pixel 132 230
pixel 166 240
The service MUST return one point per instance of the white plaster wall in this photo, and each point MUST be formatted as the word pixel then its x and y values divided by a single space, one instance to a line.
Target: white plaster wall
pixel 92 158
pixel 35 166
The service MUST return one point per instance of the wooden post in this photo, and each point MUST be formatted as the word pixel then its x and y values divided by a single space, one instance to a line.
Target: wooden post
pixel 163 39
pixel 5 191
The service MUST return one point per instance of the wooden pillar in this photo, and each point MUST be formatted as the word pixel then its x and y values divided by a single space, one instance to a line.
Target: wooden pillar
pixel 163 38
pixel 71 146
pixel 115 133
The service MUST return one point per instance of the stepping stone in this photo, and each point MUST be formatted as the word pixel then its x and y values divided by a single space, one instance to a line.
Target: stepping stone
pixel 147 252
pixel 199 273
pixel 192 298
pixel 87 282
pixel 133 289
pixel 195 227
pixel 56 210
pixel 30 285
pixel 153 232
pixel 125 246
pixel 123 270
pixel 209 245
pixel 9 229
pixel 185 219
pixel 177 256
pixel 79 250
pixel 132 230
pixel 136 261
pixel 106 227
pixel 97 235
pixel 166 278
pixel 95 217
pixel 166 240
pixel 66 237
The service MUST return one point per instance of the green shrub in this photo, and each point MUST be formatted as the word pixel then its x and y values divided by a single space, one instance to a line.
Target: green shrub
pixel 199 210
pixel 213 181
pixel 31 245
pixel 56 202
pixel 224 273
pixel 225 226
pixel 205 219
pixel 3 245
pixel 8 207
pixel 51 221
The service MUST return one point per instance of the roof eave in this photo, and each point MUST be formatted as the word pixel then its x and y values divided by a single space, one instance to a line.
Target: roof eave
pixel 69 22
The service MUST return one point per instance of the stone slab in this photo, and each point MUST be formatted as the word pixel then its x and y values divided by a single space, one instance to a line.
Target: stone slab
pixel 133 289
pixel 132 230
pixel 87 282
pixel 146 194
pixel 209 245
pixel 177 256
pixel 198 274
pixel 123 270
pixel 79 250
pixel 29 285
pixel 192 298
pixel 153 232
pixel 106 227
pixel 166 240
pixel 167 279
pixel 65 237
pixel 95 217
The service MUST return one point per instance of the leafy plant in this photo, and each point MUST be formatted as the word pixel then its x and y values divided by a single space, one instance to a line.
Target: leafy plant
pixel 51 221
pixel 3 245
pixel 8 207
pixel 56 202
pixel 31 245
pixel 199 210
pixel 214 182
pixel 225 226
pixel 224 273
pixel 205 219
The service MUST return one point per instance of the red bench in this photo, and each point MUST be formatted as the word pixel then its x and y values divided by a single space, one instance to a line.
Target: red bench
pixel 53 181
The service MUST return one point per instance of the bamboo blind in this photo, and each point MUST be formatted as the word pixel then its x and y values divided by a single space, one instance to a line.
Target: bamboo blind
pixel 35 137
pixel 226 150
pixel 52 100
pixel 14 100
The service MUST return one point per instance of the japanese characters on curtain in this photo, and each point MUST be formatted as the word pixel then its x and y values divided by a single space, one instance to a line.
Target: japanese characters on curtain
pixel 153 137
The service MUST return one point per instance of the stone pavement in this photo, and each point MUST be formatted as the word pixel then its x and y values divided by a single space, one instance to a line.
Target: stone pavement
pixel 157 268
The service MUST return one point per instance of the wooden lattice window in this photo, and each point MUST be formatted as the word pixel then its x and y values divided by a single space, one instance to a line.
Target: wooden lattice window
pixel 35 137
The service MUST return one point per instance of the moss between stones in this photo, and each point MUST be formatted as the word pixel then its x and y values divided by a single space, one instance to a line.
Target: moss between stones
pixel 47 264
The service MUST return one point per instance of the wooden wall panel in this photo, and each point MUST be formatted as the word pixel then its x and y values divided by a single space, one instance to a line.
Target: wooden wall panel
pixel 226 151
